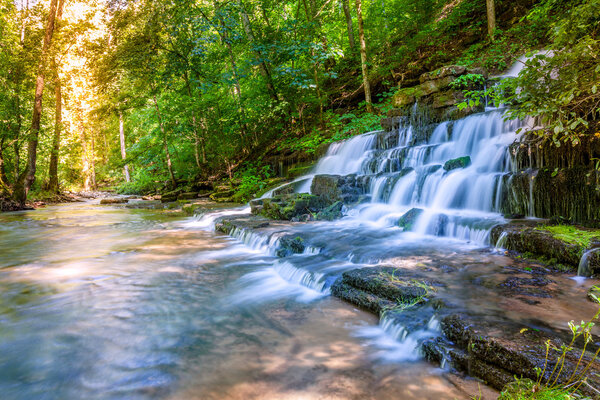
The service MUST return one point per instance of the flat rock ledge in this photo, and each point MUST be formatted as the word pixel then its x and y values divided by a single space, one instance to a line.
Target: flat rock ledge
pixel 492 350
pixel 534 240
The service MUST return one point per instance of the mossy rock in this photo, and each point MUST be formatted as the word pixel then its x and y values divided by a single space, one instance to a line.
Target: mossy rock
pixel 332 212
pixel 460 162
pixel 407 221
pixel 289 246
pixel 289 206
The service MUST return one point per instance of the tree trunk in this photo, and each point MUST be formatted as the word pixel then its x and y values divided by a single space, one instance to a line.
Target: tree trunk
pixel 3 177
pixel 351 42
pixel 122 142
pixel 53 169
pixel 85 161
pixel 363 56
pixel 165 143
pixel 491 17
pixel 27 177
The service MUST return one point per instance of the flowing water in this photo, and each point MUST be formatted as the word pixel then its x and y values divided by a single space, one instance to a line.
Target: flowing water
pixel 105 302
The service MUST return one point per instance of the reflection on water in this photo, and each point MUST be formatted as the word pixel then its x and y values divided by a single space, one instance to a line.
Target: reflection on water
pixel 111 303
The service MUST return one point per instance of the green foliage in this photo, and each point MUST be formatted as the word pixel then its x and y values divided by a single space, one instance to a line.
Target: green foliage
pixel 526 389
pixel 468 82
pixel 559 85
pixel 253 181
pixel 557 383
pixel 142 183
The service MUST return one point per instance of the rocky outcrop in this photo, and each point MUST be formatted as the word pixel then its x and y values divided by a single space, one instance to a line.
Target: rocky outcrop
pixel 435 90
pixel 496 352
pixel 535 240
pixel 333 188
pixel 571 193
pixel 407 221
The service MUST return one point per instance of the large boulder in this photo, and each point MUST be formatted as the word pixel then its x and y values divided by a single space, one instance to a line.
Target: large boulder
pixel 333 188
pixel 296 206
pixel 407 221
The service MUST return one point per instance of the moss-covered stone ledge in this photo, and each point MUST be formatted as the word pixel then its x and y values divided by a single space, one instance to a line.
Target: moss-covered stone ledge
pixel 497 351
pixel 297 207
pixel 378 289
pixel 553 244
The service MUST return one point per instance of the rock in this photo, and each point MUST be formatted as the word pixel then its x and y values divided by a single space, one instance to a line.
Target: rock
pixel 407 221
pixel 289 206
pixel 332 212
pixel 188 196
pixel 447 99
pixel 404 97
pixel 473 346
pixel 461 162
pixel 333 188
pixel 568 192
pixel 114 201
pixel 450 70
pixel 285 189
pixel 380 288
pixel 7 204
pixel 145 204
pixel 538 242
pixel 256 206
pixel 289 246
pixel 222 196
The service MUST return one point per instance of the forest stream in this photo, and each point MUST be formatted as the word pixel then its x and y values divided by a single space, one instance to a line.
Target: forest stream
pixel 116 303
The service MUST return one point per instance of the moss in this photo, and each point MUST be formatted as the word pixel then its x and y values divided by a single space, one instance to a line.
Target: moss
pixel 571 234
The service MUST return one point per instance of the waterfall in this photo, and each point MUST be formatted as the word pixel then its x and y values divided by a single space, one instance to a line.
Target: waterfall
pixel 584 263
pixel 408 168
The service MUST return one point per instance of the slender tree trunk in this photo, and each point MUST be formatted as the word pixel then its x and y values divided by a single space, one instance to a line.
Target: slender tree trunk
pixel 3 177
pixel 363 56
pixel 165 143
pixel 351 42
pixel 491 17
pixel 122 142
pixel 53 169
pixel 93 163
pixel 85 160
pixel 27 177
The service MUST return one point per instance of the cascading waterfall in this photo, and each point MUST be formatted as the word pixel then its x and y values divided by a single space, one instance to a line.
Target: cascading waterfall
pixel 405 171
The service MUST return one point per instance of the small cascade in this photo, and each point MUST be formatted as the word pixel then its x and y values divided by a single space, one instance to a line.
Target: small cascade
pixel 396 341
pixel 342 158
pixel 207 221
pixel 502 240
pixel 301 276
pixel 267 244
pixel 584 264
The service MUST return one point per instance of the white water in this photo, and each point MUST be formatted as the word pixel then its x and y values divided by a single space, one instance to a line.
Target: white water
pixel 583 270
pixel 406 172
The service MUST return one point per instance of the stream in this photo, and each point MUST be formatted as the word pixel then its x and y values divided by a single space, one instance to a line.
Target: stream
pixel 105 302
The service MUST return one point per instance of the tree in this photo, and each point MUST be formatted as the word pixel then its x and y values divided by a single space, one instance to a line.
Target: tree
pixel 27 177
pixel 491 17
pixel 350 29
pixel 363 56
pixel 58 123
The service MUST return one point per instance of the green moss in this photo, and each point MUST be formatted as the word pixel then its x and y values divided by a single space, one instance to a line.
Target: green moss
pixel 571 234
